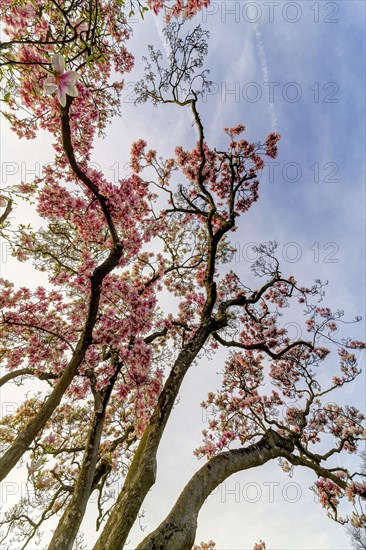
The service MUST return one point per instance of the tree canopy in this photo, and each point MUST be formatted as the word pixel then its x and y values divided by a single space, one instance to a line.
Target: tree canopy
pixel 107 352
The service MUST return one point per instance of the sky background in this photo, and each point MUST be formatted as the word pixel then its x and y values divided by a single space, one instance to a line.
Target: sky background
pixel 297 68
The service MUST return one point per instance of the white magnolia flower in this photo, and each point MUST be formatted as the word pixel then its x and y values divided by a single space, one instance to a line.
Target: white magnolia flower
pixel 62 82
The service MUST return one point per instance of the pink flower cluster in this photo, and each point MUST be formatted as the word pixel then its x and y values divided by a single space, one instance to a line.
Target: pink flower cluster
pixel 204 545
pixel 329 493
pixel 271 144
pixel 181 8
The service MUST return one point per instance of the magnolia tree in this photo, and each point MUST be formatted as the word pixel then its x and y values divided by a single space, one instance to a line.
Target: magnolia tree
pixel 108 359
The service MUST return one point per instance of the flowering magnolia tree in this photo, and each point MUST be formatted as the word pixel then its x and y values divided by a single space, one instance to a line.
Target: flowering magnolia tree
pixel 108 359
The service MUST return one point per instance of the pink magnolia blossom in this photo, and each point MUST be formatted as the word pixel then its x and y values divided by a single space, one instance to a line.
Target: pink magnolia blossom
pixel 21 16
pixel 204 545
pixel 62 82
pixel 81 27
pixel 34 466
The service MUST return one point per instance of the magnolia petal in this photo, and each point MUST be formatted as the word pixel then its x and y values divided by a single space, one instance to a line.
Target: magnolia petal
pixel 71 89
pixel 82 28
pixel 58 64
pixel 49 80
pixel 72 75
pixel 61 95
pixel 81 25
pixel 50 88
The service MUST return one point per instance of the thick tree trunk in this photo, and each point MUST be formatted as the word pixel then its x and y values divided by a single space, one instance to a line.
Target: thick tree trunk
pixel 142 473
pixel 70 522
pixel 68 527
pixel 178 530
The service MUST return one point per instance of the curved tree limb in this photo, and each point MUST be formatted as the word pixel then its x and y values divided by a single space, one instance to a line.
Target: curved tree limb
pixel 262 346
pixel 69 150
pixel 6 212
pixel 179 527
pixel 23 372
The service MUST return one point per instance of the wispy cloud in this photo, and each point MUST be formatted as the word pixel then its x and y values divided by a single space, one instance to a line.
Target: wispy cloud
pixel 265 71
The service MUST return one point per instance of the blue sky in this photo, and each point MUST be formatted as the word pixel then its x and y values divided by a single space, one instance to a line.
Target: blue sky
pixel 322 51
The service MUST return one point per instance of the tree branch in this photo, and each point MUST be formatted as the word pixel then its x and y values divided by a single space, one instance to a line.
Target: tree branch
pixel 23 372
pixel 179 527
pixel 262 346
pixel 7 211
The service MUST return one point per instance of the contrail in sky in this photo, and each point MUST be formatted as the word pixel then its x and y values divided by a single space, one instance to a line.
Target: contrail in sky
pixel 265 71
